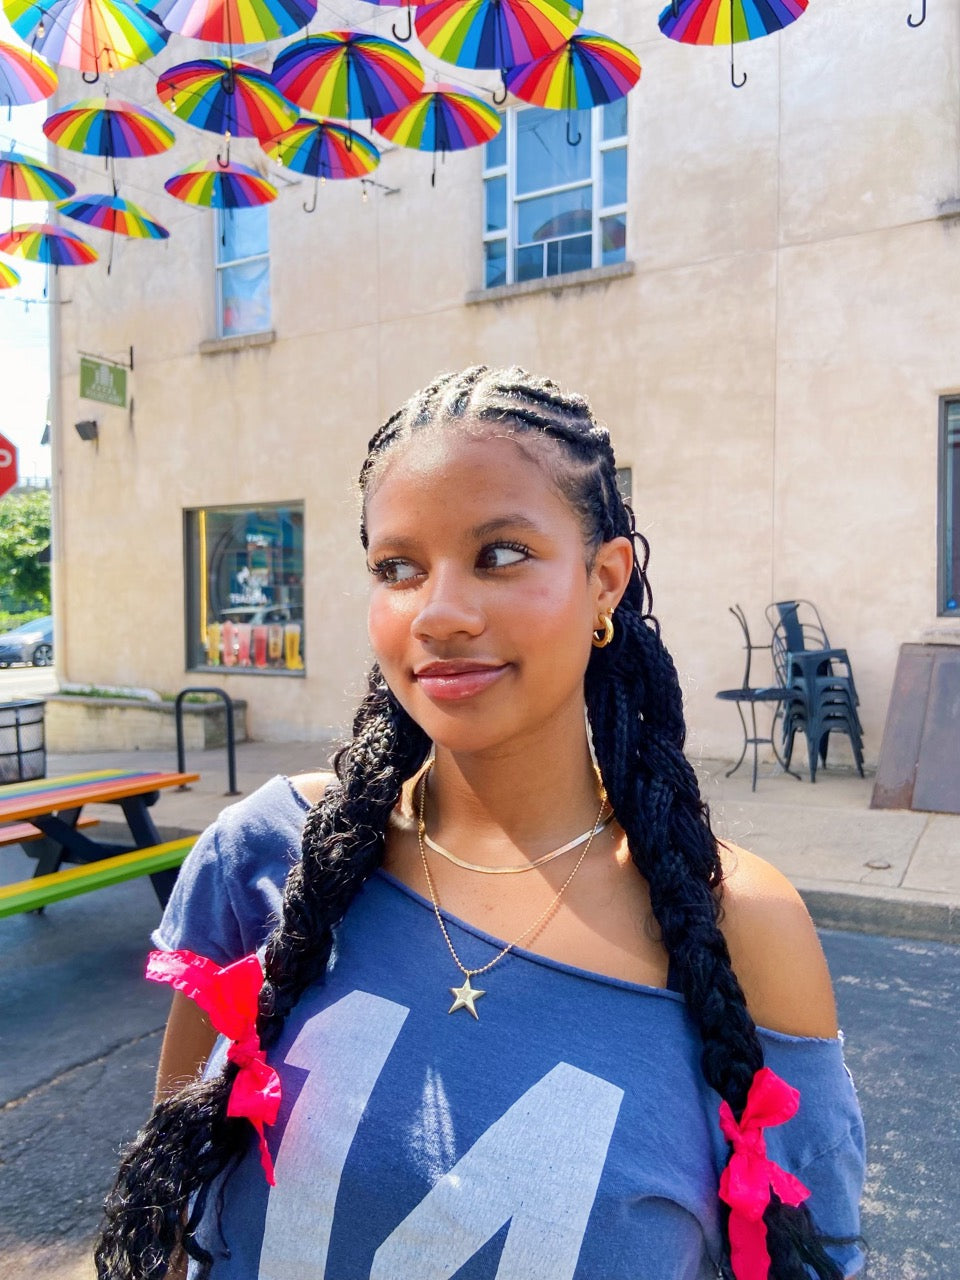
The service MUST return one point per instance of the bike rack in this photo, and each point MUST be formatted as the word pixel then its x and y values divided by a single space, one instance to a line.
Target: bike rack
pixel 231 740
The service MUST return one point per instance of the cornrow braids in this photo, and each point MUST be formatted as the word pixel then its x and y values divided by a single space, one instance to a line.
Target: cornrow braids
pixel 635 707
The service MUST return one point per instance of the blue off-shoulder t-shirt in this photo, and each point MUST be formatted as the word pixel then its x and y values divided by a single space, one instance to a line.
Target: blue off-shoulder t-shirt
pixel 567 1134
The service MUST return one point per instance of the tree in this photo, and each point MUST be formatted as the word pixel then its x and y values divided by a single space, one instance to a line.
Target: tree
pixel 24 534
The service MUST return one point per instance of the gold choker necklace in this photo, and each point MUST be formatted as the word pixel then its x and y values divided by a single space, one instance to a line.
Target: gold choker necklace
pixel 524 866
pixel 465 996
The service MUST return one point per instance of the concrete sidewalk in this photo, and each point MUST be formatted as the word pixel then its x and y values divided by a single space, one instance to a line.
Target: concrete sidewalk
pixel 875 871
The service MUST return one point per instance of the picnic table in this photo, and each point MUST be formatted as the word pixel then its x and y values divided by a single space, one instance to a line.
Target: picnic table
pixel 45 817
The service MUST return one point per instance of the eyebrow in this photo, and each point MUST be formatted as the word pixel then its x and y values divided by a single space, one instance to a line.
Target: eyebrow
pixel 516 520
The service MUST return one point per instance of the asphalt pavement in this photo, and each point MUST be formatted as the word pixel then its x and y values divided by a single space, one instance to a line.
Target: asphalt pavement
pixel 80 1030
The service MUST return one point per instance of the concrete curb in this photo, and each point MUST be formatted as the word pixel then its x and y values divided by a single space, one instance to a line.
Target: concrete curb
pixel 872 913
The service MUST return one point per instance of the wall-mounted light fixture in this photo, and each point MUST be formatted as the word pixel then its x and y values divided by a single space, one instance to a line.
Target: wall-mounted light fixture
pixel 87 429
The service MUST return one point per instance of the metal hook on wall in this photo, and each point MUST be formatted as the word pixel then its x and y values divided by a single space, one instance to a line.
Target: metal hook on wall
pixel 921 20
pixel 409 36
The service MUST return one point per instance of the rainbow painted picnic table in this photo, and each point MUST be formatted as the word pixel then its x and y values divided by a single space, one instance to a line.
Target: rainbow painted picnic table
pixel 45 817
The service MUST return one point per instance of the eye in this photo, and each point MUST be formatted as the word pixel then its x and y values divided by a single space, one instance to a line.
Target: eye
pixel 393 570
pixel 502 555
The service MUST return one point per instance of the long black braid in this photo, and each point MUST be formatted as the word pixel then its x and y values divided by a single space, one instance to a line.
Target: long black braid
pixel 635 710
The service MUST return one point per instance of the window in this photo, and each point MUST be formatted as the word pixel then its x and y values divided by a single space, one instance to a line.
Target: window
pixel 243 271
pixel 550 207
pixel 245 588
pixel 949 521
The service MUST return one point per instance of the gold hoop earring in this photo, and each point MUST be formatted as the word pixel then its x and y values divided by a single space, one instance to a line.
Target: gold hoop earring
pixel 604 632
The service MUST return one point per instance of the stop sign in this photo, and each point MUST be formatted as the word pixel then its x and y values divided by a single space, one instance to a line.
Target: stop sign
pixel 8 465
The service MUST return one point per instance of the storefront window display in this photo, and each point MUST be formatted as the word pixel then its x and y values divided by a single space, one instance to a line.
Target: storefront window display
pixel 245 588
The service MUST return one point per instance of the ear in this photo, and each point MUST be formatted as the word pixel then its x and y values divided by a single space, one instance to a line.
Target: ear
pixel 612 567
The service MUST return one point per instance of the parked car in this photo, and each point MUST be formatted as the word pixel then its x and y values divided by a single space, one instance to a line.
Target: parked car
pixel 30 642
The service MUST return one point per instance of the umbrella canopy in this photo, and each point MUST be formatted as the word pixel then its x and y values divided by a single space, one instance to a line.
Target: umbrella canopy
pixel 442 118
pixel 231 186
pixel 495 34
pixel 24 76
pixel 43 242
pixel 24 179
pixel 88 35
pixel 347 74
pixel 223 96
pixel 8 277
pixel 588 70
pixel 323 149
pixel 108 127
pixel 233 21
pixel 112 213
pixel 727 22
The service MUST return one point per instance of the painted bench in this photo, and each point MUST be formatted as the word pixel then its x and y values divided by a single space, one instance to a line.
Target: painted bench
pixel 40 891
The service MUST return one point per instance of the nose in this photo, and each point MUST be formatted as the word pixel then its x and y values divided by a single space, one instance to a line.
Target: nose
pixel 448 606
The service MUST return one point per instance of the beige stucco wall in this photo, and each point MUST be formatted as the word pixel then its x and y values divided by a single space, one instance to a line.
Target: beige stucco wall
pixel 770 369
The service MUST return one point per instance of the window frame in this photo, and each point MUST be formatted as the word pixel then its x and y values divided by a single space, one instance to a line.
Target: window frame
pixel 219 267
pixel 947 520
pixel 599 145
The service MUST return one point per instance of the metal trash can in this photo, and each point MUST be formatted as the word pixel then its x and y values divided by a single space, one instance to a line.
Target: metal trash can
pixel 23 746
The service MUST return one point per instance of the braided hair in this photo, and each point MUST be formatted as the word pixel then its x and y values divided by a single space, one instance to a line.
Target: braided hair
pixel 634 706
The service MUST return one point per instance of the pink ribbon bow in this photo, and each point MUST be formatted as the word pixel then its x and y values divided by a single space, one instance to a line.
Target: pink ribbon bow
pixel 746 1182
pixel 229 997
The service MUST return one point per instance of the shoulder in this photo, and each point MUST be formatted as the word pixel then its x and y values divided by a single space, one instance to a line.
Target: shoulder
pixel 774 948
pixel 313 785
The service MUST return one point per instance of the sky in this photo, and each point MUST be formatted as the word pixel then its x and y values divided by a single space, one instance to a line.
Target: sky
pixel 24 318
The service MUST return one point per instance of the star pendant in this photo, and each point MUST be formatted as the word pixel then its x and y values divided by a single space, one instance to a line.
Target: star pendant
pixel 465 996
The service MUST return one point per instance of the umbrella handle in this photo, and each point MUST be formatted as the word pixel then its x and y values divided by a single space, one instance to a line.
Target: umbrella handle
pixel 83 77
pixel 409 36
pixel 497 98
pixel 309 208
pixel 737 84
pixel 571 141
pixel 921 20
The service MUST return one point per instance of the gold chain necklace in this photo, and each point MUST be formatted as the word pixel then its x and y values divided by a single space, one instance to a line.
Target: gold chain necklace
pixel 465 996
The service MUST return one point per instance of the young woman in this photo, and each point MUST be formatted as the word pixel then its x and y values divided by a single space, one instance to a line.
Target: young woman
pixel 521 1017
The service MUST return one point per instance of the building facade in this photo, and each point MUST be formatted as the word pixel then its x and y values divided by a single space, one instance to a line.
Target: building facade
pixel 755 287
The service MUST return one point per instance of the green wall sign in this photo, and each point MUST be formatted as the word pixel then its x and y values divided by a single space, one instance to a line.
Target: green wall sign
pixel 100 380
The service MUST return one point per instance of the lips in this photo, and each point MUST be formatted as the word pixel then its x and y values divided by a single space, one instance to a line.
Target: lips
pixel 454 679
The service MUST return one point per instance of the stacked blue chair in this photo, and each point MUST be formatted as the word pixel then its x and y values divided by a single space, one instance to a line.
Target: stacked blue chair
pixel 822 696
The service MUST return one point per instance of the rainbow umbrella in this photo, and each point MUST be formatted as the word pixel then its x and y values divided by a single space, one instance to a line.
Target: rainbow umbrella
pixel 24 76
pixel 24 179
pixel 88 35
pixel 228 97
pixel 441 119
pixel 233 21
pixel 43 242
pixel 108 127
pixel 587 71
pixel 112 213
pixel 230 186
pixel 727 22
pixel 8 277
pixel 347 74
pixel 324 150
pixel 495 34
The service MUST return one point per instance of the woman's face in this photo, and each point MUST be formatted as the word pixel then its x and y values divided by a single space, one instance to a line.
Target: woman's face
pixel 482 606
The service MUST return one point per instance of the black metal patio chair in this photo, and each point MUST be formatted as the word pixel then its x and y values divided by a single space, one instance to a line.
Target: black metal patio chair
pixel 750 696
